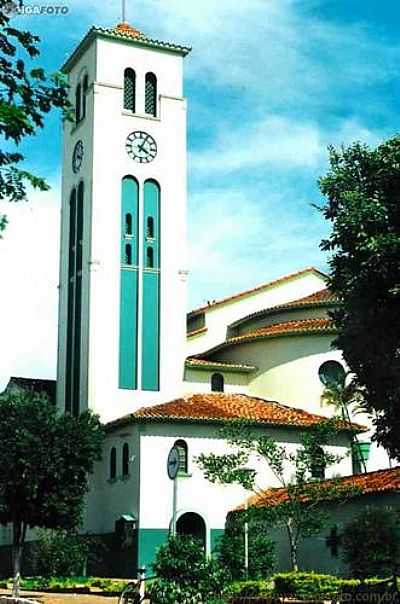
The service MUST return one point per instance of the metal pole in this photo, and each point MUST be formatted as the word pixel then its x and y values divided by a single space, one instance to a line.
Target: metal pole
pixel 246 544
pixel 174 505
pixel 142 580
pixel 123 11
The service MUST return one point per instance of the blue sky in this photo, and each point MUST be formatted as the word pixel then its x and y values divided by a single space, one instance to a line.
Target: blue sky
pixel 270 83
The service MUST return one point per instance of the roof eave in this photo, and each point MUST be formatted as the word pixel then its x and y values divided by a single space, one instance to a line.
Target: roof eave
pixel 95 33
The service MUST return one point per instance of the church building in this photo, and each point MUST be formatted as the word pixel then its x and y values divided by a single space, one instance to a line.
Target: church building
pixel 157 377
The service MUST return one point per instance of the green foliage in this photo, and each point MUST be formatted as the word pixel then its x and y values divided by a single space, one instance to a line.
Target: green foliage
pixel 300 513
pixel 49 457
pixel 63 553
pixel 362 204
pixel 74 584
pixel 230 549
pixel 27 94
pixel 250 589
pixel 371 543
pixel 185 575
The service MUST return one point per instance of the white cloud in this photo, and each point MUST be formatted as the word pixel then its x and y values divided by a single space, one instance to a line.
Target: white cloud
pixel 273 140
pixel 29 260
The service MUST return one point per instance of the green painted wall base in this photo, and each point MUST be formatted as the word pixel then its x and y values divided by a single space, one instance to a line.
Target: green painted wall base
pixel 149 542
pixel 215 534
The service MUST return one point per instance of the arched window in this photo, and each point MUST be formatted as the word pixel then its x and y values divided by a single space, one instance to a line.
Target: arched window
pixel 217 382
pixel 128 224
pixel 182 448
pixel 129 89
pixel 125 460
pixel 78 105
pixel 128 254
pixel 150 227
pixel 150 105
pixel 150 258
pixel 85 86
pixel 113 463
pixel 318 463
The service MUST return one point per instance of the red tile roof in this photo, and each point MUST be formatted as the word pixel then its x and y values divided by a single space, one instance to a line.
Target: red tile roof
pixel 217 407
pixel 258 288
pixel 196 332
pixel 381 481
pixel 227 365
pixel 129 31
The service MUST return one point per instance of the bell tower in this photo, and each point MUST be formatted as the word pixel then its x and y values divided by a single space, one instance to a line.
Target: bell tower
pixel 122 309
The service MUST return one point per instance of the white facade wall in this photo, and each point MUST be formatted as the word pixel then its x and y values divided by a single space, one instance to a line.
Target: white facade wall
pixel 198 381
pixel 195 492
pixel 220 316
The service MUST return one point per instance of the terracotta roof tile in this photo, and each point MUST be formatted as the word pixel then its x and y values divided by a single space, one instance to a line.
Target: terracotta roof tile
pixel 369 483
pixel 219 407
pixel 204 363
pixel 196 332
pixel 122 31
pixel 253 290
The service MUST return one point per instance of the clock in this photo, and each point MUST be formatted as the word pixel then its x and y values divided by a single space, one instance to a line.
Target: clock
pixel 141 147
pixel 77 157
pixel 173 463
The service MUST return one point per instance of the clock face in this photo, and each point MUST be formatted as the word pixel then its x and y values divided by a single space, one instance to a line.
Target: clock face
pixel 141 147
pixel 77 157
pixel 173 463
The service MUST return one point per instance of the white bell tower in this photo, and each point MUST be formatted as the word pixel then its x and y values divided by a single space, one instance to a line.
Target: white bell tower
pixel 122 310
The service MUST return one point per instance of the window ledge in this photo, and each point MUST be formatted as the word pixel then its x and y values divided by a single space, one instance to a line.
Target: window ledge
pixel 145 116
pixel 184 475
pixel 111 480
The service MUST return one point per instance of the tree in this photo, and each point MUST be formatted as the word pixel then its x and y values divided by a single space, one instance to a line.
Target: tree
pixel 46 458
pixel 26 96
pixel 299 510
pixel 184 574
pixel 230 546
pixel 362 204
pixel 378 530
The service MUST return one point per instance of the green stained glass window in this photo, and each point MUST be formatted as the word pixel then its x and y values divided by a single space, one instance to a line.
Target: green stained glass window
pixel 151 94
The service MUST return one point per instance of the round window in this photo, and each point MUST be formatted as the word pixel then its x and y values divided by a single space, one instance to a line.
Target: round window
pixel 332 373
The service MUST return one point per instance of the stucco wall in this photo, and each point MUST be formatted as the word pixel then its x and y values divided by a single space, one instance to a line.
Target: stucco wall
pixel 220 316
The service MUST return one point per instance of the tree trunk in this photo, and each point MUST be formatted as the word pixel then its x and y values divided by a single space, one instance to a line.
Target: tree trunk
pixel 293 547
pixel 19 532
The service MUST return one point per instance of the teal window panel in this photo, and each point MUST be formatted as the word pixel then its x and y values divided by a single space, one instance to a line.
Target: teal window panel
pixel 128 330
pixel 151 223
pixel 151 332
pixel 151 287
pixel 129 220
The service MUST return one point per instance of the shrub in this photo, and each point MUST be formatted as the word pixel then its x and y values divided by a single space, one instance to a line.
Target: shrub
pixel 371 543
pixel 185 575
pixel 230 549
pixel 61 553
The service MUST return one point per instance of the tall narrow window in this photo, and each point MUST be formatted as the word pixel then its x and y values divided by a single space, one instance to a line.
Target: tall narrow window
pixel 71 302
pixel 78 102
pixel 318 463
pixel 128 310
pixel 150 105
pixel 182 448
pixel 128 254
pixel 125 460
pixel 150 228
pixel 113 463
pixel 150 258
pixel 217 382
pixel 129 89
pixel 128 224
pixel 85 85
